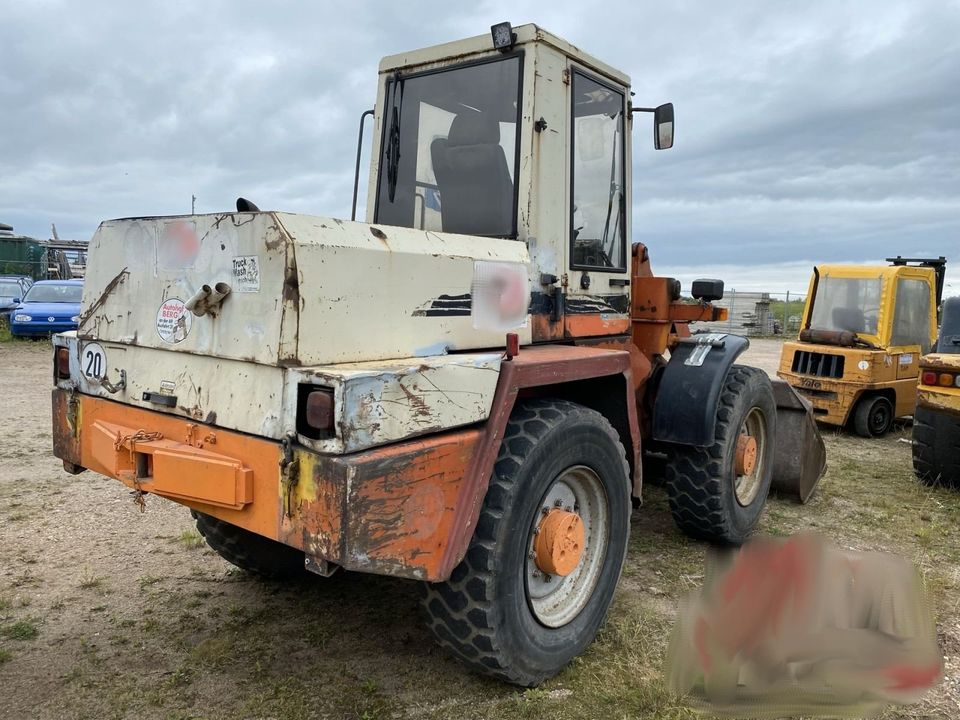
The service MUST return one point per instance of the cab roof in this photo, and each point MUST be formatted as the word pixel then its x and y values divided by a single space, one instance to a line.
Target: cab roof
pixel 483 44
pixel 886 272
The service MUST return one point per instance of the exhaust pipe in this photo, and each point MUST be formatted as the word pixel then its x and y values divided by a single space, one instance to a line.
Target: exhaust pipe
pixel 198 303
pixel 207 300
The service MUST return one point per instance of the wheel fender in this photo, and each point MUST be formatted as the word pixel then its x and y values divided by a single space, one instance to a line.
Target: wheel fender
pixel 685 410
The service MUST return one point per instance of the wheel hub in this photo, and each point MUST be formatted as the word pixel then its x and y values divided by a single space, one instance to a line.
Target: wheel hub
pixel 559 542
pixel 746 454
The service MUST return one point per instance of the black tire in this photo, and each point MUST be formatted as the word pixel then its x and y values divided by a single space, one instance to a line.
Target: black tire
pixel 701 481
pixel 484 615
pixel 873 416
pixel 249 551
pixel 936 448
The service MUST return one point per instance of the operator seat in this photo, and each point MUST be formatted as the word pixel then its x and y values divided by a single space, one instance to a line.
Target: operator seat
pixel 476 193
pixel 851 319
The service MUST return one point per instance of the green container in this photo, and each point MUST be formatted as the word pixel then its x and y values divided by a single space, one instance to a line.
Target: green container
pixel 23 256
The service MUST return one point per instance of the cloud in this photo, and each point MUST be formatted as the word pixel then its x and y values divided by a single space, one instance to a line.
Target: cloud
pixel 806 132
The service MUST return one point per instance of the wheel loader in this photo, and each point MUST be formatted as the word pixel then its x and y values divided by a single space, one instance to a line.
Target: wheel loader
pixel 458 391
pixel 864 328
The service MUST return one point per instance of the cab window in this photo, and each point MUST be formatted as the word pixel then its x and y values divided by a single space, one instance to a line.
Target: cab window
pixel 448 161
pixel 911 314
pixel 597 209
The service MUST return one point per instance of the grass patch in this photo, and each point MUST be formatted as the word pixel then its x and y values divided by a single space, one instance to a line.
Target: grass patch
pixel 20 630
pixel 89 581
pixel 148 580
pixel 190 539
pixel 5 656
pixel 214 651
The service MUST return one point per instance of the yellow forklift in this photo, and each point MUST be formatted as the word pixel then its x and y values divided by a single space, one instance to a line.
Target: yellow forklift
pixel 864 328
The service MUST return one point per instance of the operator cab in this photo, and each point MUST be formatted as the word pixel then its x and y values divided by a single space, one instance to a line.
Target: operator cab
pixel 516 135
pixel 854 299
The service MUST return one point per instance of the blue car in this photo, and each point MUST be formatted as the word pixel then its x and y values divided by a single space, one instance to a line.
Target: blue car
pixel 50 306
pixel 12 290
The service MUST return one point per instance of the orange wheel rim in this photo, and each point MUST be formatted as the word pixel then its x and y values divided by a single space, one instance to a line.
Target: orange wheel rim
pixel 746 455
pixel 559 542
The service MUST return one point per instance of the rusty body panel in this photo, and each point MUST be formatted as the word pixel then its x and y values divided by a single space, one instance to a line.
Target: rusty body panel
pixel 407 509
pixel 855 371
pixel 938 397
pixel 658 318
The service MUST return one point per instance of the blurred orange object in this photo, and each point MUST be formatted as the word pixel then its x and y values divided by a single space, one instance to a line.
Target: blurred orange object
pixel 796 626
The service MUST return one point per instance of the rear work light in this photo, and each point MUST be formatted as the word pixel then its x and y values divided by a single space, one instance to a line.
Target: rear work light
pixel 928 377
pixel 62 363
pixel 315 412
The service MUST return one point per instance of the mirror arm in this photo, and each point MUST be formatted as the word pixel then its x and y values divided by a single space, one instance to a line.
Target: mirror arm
pixel 639 109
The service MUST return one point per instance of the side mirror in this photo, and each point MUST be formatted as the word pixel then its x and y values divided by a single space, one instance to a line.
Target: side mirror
pixel 16 301
pixel 663 127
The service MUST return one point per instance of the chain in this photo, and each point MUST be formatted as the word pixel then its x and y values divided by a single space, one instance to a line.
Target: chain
pixel 133 439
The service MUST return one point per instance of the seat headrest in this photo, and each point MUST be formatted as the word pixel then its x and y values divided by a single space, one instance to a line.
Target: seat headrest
pixel 474 128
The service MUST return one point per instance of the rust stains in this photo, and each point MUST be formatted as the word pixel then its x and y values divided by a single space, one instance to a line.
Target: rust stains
pixel 380 235
pixel 111 286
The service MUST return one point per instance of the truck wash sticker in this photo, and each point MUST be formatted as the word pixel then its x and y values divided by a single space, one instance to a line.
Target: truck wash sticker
pixel 246 273
pixel 173 321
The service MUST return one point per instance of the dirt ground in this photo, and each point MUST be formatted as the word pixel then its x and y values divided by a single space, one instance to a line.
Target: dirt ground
pixel 107 612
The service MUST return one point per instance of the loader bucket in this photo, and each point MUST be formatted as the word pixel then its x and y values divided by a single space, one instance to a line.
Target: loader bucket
pixel 800 458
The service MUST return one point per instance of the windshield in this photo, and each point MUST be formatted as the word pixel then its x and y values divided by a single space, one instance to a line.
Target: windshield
pixel 847 304
pixel 597 231
pixel 9 289
pixel 54 294
pixel 450 148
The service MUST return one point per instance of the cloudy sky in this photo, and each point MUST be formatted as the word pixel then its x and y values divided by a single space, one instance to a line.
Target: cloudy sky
pixel 806 132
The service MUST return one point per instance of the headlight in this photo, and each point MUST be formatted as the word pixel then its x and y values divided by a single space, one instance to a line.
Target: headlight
pixel 75 318
pixel 22 318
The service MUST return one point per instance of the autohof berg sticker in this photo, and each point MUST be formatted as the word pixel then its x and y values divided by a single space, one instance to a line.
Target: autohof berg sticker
pixel 173 321
pixel 246 273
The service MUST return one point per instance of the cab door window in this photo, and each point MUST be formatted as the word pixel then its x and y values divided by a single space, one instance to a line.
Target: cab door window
pixel 598 205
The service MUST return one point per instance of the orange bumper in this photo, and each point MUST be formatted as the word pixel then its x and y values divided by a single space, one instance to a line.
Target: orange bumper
pixel 387 510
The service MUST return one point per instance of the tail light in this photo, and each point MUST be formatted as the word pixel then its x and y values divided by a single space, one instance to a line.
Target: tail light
pixel 948 380
pixel 943 379
pixel 62 363
pixel 315 412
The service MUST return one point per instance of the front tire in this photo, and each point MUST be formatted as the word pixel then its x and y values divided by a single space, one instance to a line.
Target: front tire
pixel 249 551
pixel 711 496
pixel 500 613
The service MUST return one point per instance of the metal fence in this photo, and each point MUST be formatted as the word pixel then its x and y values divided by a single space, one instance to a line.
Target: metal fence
pixel 754 313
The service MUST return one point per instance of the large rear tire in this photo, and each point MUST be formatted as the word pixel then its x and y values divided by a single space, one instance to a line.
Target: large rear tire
pixel 500 613
pixel 249 551
pixel 715 493
pixel 936 448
